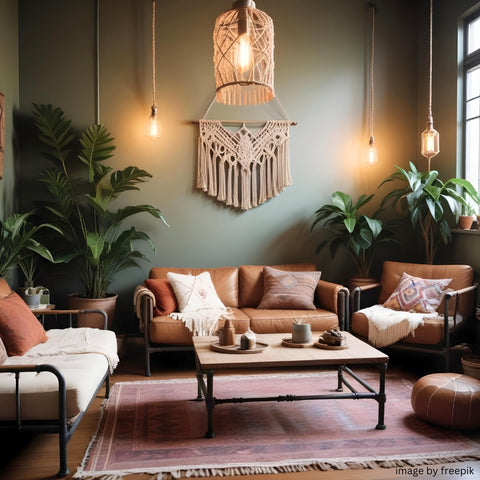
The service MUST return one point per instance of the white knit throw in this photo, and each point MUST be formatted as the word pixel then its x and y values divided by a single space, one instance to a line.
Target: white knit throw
pixel 243 169
pixel 387 326
pixel 203 322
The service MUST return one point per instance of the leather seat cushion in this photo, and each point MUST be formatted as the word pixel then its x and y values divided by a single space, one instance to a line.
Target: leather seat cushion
pixel 448 400
pixel 280 321
pixel 430 333
pixel 167 330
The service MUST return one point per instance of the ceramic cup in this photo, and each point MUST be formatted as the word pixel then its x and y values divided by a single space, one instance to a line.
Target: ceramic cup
pixel 301 333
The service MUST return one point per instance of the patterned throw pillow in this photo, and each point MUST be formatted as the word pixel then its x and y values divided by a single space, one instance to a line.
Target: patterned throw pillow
pixel 288 290
pixel 19 327
pixel 165 300
pixel 194 292
pixel 415 294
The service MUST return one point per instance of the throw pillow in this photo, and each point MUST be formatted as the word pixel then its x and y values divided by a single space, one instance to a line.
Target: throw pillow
pixel 288 290
pixel 19 327
pixel 194 292
pixel 414 294
pixel 165 300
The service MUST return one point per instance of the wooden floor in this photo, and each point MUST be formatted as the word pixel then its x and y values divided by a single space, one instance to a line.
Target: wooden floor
pixel 36 457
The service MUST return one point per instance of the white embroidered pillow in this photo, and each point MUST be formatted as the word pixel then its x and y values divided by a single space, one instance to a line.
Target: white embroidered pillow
pixel 194 292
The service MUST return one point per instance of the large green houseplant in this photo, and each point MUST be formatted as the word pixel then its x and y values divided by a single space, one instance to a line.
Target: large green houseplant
pixel 83 191
pixel 359 234
pixel 429 201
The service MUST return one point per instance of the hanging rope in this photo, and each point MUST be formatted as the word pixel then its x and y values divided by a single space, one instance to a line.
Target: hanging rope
pixel 153 52
pixel 372 87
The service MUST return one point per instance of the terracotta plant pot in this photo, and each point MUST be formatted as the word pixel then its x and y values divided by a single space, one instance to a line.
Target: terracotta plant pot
pixel 465 222
pixel 94 320
pixel 360 282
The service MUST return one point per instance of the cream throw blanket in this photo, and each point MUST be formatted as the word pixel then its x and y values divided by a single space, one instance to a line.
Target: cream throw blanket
pixel 387 326
pixel 71 341
pixel 204 321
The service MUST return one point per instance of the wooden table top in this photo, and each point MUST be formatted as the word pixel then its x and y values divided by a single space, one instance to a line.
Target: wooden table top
pixel 277 355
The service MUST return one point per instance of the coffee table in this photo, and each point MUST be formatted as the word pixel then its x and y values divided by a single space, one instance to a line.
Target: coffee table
pixel 209 362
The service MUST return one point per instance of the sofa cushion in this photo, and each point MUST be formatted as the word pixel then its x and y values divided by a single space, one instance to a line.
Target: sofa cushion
pixel 280 321
pixel 165 299
pixel 194 292
pixel 250 281
pixel 167 330
pixel 224 279
pixel 83 373
pixel 19 327
pixel 430 333
pixel 288 290
pixel 414 294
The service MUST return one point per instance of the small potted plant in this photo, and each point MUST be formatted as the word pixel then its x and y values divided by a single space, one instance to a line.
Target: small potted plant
pixel 467 217
pixel 20 247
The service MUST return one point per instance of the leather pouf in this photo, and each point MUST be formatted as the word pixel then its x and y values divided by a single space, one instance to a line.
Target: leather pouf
pixel 448 400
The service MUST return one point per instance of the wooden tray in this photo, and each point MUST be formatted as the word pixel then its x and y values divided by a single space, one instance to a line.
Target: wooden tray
pixel 288 342
pixel 326 346
pixel 259 348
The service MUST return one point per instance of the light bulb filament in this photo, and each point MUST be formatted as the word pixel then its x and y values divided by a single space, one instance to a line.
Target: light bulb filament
pixel 244 53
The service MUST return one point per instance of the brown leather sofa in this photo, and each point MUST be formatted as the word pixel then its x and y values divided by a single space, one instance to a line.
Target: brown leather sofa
pixel 436 335
pixel 241 289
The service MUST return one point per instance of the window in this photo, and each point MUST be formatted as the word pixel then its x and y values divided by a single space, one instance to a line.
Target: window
pixel 471 85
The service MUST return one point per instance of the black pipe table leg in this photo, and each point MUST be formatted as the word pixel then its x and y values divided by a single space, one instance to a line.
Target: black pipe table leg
pixel 210 403
pixel 381 398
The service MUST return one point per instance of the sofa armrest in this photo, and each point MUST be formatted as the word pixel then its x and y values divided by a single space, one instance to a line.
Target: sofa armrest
pixel 70 313
pixel 334 298
pixel 357 296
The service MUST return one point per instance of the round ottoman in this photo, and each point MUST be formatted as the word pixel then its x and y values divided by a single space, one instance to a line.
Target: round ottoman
pixel 448 400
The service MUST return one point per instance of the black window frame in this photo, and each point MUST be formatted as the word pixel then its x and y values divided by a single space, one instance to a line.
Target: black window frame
pixel 469 61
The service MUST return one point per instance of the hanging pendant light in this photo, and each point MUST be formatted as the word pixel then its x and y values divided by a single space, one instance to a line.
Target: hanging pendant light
pixel 372 149
pixel 243 55
pixel 153 124
pixel 430 137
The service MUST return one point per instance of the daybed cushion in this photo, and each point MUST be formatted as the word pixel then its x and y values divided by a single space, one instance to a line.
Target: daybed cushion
pixel 83 373
pixel 288 290
pixel 19 327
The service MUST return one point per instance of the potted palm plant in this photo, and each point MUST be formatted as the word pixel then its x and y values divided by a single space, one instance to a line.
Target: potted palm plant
pixel 428 201
pixel 20 247
pixel 82 190
pixel 359 234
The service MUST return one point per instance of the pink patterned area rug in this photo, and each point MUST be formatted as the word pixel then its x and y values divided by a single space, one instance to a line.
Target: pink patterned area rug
pixel 158 428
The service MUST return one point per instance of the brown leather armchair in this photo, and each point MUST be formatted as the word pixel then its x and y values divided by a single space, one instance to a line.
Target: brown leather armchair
pixel 456 314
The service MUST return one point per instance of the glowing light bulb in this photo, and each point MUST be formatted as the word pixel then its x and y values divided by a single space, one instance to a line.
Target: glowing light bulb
pixel 154 124
pixel 430 141
pixel 372 152
pixel 243 53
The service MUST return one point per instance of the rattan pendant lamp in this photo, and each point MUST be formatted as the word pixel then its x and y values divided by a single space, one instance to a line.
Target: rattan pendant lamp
pixel 243 55
pixel 430 137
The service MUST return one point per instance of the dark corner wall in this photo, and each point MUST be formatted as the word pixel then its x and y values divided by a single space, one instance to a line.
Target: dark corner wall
pixel 321 80
pixel 9 87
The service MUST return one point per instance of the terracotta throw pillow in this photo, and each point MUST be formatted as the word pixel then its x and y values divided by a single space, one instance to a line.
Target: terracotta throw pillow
pixel 19 327
pixel 194 292
pixel 414 294
pixel 165 300
pixel 288 290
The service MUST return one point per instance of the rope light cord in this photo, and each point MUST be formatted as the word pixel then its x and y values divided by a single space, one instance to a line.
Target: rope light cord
pixel 153 52
pixel 430 63
pixel 372 86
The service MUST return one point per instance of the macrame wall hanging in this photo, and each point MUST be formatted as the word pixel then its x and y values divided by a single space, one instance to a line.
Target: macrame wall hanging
pixel 243 168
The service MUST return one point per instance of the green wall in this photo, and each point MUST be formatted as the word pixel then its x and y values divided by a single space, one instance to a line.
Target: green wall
pixel 321 80
pixel 9 86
